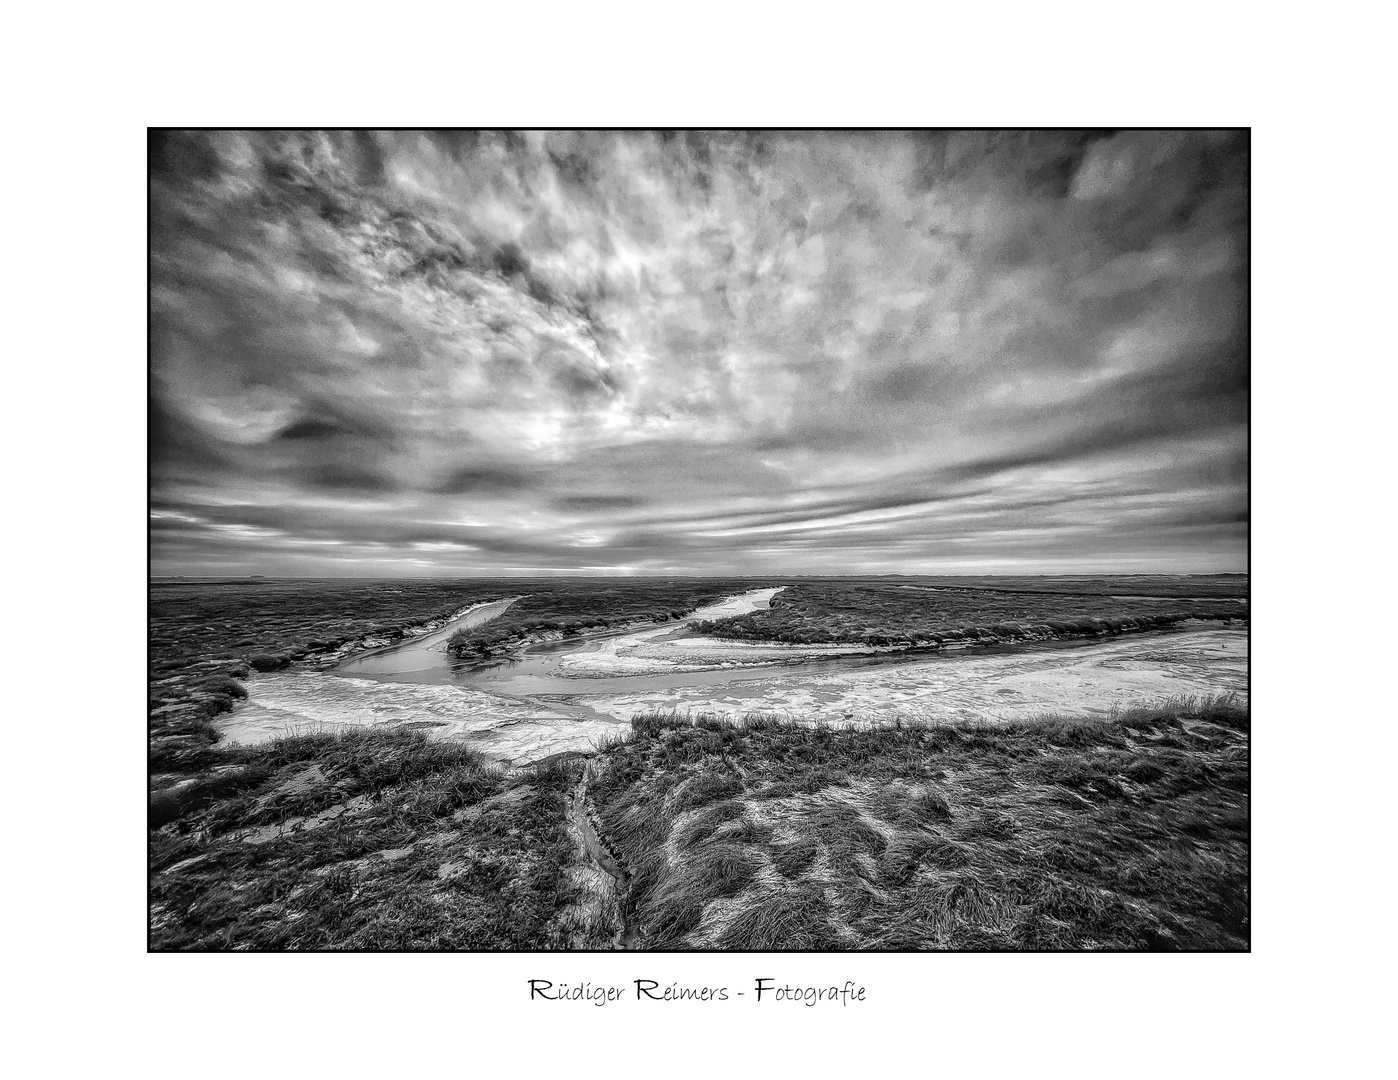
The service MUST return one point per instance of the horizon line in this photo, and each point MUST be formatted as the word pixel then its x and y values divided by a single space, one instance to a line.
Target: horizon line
pixel 611 577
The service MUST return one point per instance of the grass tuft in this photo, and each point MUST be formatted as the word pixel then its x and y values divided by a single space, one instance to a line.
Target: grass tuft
pixel 795 917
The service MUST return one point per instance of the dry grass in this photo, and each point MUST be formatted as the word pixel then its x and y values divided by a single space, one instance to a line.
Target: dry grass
pixel 366 840
pixel 1127 833
pixel 1059 833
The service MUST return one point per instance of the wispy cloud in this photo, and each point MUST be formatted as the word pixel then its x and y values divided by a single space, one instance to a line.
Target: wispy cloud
pixel 806 352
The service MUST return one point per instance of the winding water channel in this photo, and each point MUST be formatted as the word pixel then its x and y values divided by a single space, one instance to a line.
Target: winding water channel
pixel 423 658
pixel 566 694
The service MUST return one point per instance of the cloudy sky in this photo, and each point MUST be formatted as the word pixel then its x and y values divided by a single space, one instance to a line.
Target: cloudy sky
pixel 448 353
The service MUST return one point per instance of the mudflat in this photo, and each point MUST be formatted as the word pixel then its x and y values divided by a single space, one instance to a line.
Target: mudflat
pixel 580 692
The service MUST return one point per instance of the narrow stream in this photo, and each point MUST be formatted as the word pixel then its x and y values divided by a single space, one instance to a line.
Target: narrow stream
pixel 422 655
pixel 528 707
pixel 535 672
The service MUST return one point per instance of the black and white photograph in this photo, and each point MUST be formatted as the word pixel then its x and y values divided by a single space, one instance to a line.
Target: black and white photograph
pixel 663 541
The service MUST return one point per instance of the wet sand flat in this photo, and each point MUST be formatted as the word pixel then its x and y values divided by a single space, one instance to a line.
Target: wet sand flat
pixel 1089 680
pixel 668 651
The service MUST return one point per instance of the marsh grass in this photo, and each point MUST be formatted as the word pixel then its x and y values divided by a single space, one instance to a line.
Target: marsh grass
pixel 1059 833
pixel 768 833
pixel 797 918
pixel 570 608
pixel 883 614
pixel 1128 832
pixel 206 637
pixel 365 840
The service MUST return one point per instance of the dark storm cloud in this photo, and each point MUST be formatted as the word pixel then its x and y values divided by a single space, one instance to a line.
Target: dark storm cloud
pixel 763 352
pixel 597 502
pixel 486 479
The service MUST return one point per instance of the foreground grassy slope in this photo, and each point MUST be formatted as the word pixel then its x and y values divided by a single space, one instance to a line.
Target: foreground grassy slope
pixel 879 613
pixel 368 840
pixel 1061 834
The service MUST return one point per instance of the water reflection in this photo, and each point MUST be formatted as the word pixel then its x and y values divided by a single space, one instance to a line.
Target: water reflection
pixel 419 659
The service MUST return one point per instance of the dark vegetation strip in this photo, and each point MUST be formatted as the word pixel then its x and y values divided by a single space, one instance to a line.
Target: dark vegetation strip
pixel 1059 834
pixel 566 609
pixel 1193 586
pixel 882 614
